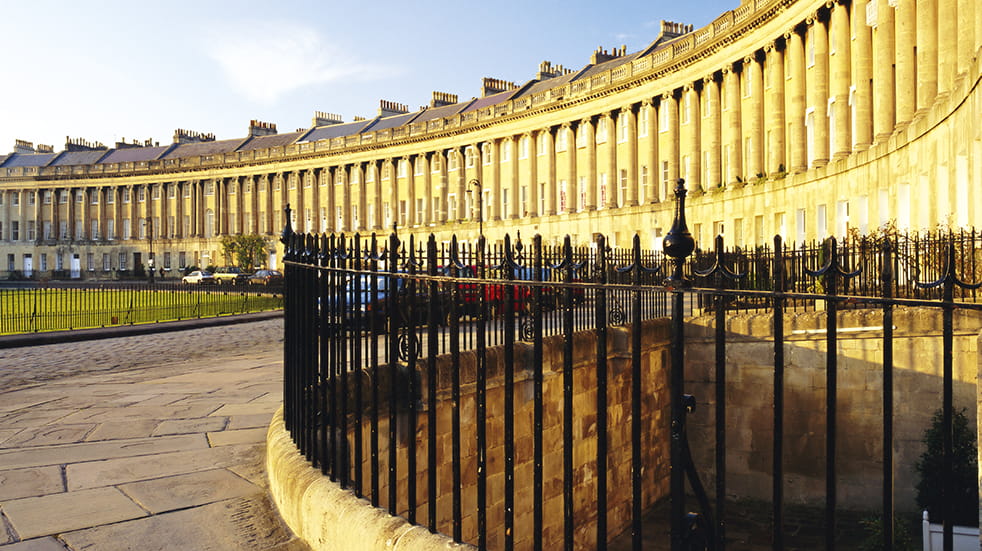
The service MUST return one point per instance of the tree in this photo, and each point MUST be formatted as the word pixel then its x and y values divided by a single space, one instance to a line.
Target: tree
pixel 250 249
pixel 245 251
pixel 228 243
pixel 964 465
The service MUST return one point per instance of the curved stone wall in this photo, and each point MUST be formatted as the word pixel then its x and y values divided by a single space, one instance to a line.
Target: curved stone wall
pixel 804 118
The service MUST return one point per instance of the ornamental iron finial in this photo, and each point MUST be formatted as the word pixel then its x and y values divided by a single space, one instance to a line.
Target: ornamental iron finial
pixel 678 243
pixel 288 227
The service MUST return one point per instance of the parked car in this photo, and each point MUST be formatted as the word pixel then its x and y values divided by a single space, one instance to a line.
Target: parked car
pixel 362 305
pixel 199 277
pixel 232 275
pixel 265 277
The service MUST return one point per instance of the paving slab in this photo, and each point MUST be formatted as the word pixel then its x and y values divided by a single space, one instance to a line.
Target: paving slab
pixel 251 421
pixel 52 514
pixel 188 490
pixel 140 412
pixel 123 430
pixel 234 525
pixel 131 469
pixel 91 451
pixel 246 409
pixel 40 544
pixel 232 437
pixel 50 434
pixel 92 423
pixel 190 426
pixel 40 481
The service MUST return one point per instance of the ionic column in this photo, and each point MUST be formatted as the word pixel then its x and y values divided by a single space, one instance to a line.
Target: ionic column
pixel 613 178
pixel 755 116
pixel 443 189
pixel 862 74
pixel 409 161
pixel 906 68
pixel 733 124
pixel 630 118
pixel 797 138
pixel 70 226
pixel 947 44
pixel 533 198
pixel 670 102
pixel 966 34
pixel 884 85
pixel 651 154
pixel 774 107
pixel 711 142
pixel 344 177
pixel 515 186
pixel 461 184
pixel 55 216
pixel 586 126
pixel 693 147
pixel 550 138
pixel 926 31
pixel 427 214
pixel 818 86
pixel 840 79
pixel 87 216
pixel 572 152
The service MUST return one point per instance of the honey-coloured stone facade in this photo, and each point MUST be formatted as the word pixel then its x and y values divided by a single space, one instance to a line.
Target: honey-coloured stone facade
pixel 796 117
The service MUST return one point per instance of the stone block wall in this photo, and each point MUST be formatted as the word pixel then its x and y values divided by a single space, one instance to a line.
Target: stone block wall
pixel 917 349
pixel 655 442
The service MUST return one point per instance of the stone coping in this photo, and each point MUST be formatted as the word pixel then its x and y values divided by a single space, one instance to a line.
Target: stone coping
pixel 329 518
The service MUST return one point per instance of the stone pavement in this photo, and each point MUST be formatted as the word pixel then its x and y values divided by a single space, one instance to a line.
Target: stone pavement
pixel 147 442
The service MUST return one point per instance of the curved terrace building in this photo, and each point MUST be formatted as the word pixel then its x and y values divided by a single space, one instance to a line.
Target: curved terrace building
pixel 795 117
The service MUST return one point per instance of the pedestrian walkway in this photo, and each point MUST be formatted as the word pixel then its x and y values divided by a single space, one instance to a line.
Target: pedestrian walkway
pixel 147 442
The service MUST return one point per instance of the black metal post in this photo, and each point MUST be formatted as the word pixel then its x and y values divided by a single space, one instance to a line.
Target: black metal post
pixel 678 245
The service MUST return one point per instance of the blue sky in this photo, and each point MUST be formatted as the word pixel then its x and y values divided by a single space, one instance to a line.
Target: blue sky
pixel 108 70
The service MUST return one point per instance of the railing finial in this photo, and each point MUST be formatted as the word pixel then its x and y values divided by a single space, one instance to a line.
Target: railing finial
pixel 678 242
pixel 288 227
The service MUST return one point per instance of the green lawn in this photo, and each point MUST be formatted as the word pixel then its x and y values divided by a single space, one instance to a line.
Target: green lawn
pixel 33 310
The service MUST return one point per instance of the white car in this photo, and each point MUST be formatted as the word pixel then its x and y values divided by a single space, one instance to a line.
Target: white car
pixel 200 277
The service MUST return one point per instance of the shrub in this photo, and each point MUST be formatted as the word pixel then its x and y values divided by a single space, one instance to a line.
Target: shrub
pixel 964 465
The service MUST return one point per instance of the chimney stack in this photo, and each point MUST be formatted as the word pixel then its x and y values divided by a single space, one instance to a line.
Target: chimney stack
pixel 491 86
pixel 389 108
pixel 326 119
pixel 260 128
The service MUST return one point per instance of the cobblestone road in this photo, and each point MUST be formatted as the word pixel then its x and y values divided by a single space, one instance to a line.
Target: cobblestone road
pixel 158 352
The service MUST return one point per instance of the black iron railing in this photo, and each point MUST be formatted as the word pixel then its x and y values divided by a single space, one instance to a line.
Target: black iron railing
pixel 394 345
pixel 31 308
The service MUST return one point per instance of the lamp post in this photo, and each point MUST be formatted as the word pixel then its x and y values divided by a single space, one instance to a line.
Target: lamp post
pixel 480 206
pixel 150 241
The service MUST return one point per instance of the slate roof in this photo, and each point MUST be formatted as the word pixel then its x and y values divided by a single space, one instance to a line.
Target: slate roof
pixel 29 159
pixel 219 147
pixel 547 84
pixel 275 140
pixel 431 113
pixel 135 154
pixel 591 70
pixel 3 158
pixel 79 157
pixel 488 101
pixel 336 130
pixel 394 121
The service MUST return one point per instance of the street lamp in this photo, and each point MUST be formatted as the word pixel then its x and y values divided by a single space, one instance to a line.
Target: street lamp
pixel 150 241
pixel 480 206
